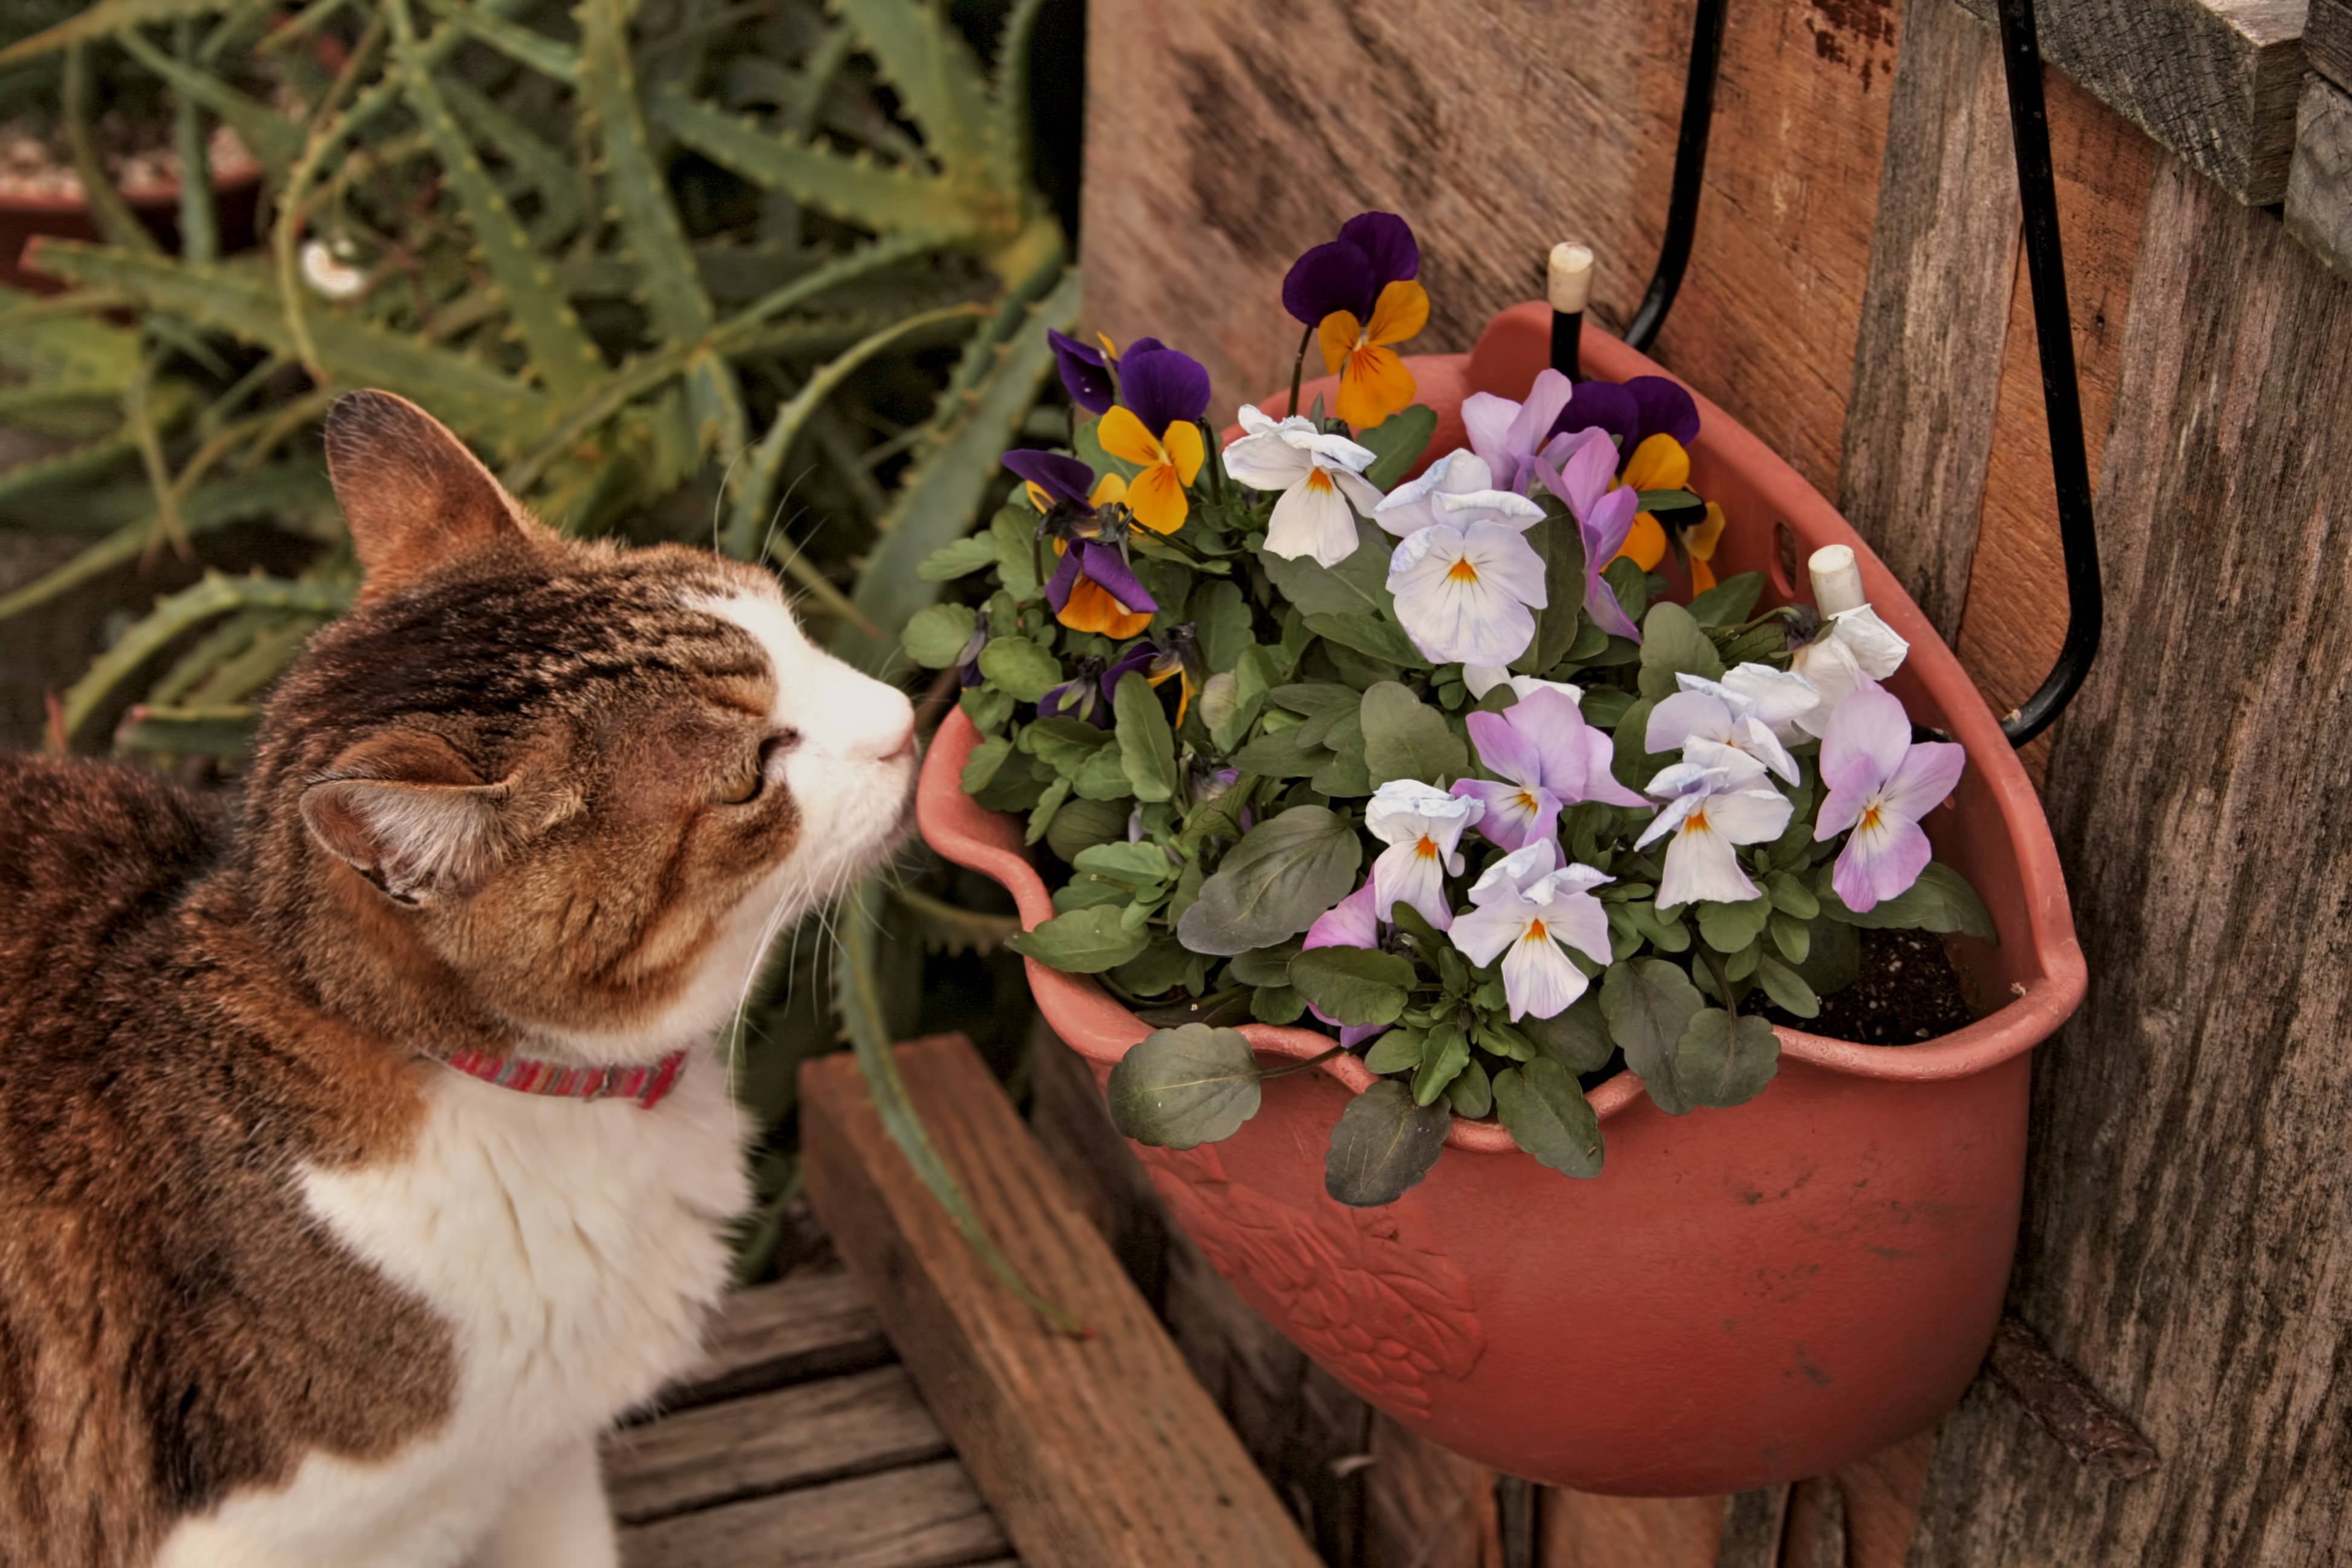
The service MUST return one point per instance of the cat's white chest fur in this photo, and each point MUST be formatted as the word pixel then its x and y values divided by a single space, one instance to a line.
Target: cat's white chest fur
pixel 576 1248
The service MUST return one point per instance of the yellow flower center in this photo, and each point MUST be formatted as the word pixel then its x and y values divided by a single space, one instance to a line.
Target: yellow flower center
pixel 1316 480
pixel 1426 849
pixel 1870 816
pixel 1535 931
pixel 1527 802
pixel 1696 822
pixel 1462 572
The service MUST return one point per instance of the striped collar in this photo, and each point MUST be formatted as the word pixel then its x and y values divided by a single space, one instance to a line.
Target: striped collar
pixel 645 1084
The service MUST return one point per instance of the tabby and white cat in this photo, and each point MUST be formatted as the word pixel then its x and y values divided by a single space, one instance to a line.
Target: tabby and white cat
pixel 362 1159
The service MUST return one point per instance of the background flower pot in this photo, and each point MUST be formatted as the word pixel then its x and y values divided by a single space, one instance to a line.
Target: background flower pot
pixel 1743 1295
pixel 25 218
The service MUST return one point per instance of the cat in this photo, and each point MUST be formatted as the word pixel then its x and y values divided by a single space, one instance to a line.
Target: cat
pixel 363 1157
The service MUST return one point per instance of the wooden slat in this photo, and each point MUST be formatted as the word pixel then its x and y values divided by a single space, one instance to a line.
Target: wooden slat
pixel 1882 1503
pixel 2214 80
pixel 1095 1450
pixel 928 1516
pixel 2327 40
pixel 2188 1232
pixel 814 1322
pixel 1816 1534
pixel 1926 364
pixel 2319 191
pixel 761 1443
pixel 1753 1523
pixel 1583 1530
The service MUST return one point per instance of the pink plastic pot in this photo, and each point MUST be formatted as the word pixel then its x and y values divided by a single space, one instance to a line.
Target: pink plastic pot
pixel 1742 1297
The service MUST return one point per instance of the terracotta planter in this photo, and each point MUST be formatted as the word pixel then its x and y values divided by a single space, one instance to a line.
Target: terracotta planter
pixel 1743 1295
pixel 25 218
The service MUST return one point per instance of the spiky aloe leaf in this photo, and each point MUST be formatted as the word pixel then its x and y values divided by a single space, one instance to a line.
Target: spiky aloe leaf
pixel 937 82
pixel 563 356
pixel 564 193
pixel 937 504
pixel 857 190
pixel 608 92
pixel 495 410
pixel 225 731
pixel 199 221
pixel 859 1000
pixel 190 607
pixel 74 467
pixel 1009 127
pixel 272 138
pixel 105 19
pixel 547 56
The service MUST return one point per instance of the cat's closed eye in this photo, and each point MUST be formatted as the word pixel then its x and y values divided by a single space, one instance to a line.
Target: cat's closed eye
pixel 746 784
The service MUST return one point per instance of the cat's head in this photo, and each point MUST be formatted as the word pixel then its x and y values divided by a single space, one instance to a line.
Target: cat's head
pixel 575 787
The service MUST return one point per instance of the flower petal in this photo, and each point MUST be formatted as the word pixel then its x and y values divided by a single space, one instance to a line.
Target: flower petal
pixel 1164 388
pixel 1481 933
pixel 1927 774
pixel 1880 861
pixel 1157 498
pixel 1332 278
pixel 1599 783
pixel 1878 648
pixel 1702 538
pixel 1266 462
pixel 1750 815
pixel 1123 436
pixel 1866 741
pixel 1312 518
pixel 1185 449
pixel 1600 406
pixel 1702 865
pixel 1645 542
pixel 1065 578
pixel 1091 609
pixel 1387 243
pixel 1663 408
pixel 1828 665
pixel 1347 923
pixel 1400 312
pixel 1539 980
pixel 1659 463
pixel 1505 749
pixel 1338 336
pixel 1403 875
pixel 1374 383
pixel 1516 815
pixel 1357 489
pixel 1677 719
pixel 1083 373
pixel 1488 419
pixel 1057 474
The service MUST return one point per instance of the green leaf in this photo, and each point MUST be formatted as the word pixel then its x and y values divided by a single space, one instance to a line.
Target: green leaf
pixel 1577 1038
pixel 983 765
pixel 1157 969
pixel 1354 986
pixel 1253 674
pixel 1668 501
pixel 1546 1113
pixel 1728 927
pixel 1793 897
pixel 1082 823
pixel 1277 1005
pixel 1041 817
pixel 104 20
pixel 1398 442
pixel 1648 1003
pixel 1138 865
pixel 1280 756
pixel 1147 747
pixel 1064 745
pixel 1940 901
pixel 213 596
pixel 1178 1089
pixel 928 65
pixel 1787 988
pixel 1722 1061
pixel 636 184
pixel 1383 1145
pixel 1562 623
pixel 1398 1050
pixel 1264 965
pixel 1012 538
pixel 936 638
pixel 1019 667
pixel 1834 962
pixel 1793 937
pixel 1274 883
pixel 1370 635
pixel 1673 642
pixel 1358 585
pixel 1086 942
pixel 1404 738
pixel 1472 1093
pixel 1220 619
pixel 1445 1052
pixel 1730 602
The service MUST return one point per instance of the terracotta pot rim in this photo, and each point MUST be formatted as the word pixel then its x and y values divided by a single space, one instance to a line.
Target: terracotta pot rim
pixel 955 826
pixel 138 195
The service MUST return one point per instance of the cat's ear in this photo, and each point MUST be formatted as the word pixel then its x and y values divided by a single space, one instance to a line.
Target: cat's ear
pixel 407 813
pixel 413 495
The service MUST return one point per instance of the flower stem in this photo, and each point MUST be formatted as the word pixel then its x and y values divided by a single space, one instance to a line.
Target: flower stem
pixel 1299 370
pixel 1722 984
pixel 1314 1061
pixel 1214 465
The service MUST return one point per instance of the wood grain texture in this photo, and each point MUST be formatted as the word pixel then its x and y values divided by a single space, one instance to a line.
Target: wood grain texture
pixel 1927 359
pixel 2188 1239
pixel 2319 189
pixel 2327 40
pixel 1583 1530
pixel 2214 80
pixel 1753 1525
pixel 1882 1502
pixel 2015 616
pixel 814 1322
pixel 1094 1451
pixel 771 1442
pixel 1816 1532
pixel 928 1516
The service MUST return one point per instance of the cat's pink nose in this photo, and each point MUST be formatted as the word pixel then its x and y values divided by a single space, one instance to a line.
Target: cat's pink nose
pixel 892 736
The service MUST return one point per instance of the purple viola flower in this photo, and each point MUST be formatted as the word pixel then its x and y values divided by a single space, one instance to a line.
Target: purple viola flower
pixel 1880 786
pixel 1347 923
pixel 1603 516
pixel 1631 411
pixel 1162 387
pixel 1093 590
pixel 1373 250
pixel 1547 757
pixel 1086 372
pixel 1080 696
pixel 1060 477
pixel 1508 435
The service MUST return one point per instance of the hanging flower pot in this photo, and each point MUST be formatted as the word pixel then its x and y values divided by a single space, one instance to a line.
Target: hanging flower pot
pixel 1756 1279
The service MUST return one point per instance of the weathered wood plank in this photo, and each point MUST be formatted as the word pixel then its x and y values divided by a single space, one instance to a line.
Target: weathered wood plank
pixel 2319 190
pixel 2214 80
pixel 928 1516
pixel 814 1322
pixel 2327 40
pixel 1816 1534
pixel 2187 1238
pixel 1927 360
pixel 1095 1450
pixel 761 1443
pixel 2016 613
pixel 1583 1530
pixel 1753 1524
pixel 1882 1502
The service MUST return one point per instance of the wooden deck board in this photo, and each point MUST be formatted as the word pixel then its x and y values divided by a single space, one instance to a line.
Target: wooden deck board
pixel 928 1516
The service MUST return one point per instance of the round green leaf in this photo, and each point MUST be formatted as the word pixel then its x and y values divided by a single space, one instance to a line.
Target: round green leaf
pixel 1383 1145
pixel 1020 667
pixel 1721 1061
pixel 1274 883
pixel 1352 984
pixel 1184 1087
pixel 1546 1113
pixel 934 638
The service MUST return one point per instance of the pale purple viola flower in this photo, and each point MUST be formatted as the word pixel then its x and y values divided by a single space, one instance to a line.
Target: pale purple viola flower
pixel 1458 489
pixel 1547 757
pixel 1880 786
pixel 1604 518
pixel 1320 477
pixel 1714 727
pixel 1710 814
pixel 1780 699
pixel 1347 923
pixel 1466 580
pixel 1422 826
pixel 1854 649
pixel 1529 909
pixel 1508 436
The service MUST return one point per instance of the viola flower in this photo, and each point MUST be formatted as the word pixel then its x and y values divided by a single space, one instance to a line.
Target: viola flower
pixel 1358 293
pixel 1085 371
pixel 1880 786
pixel 1080 696
pixel 1347 923
pixel 1530 910
pixel 1093 589
pixel 1422 825
pixel 1318 475
pixel 1547 757
pixel 1507 436
pixel 1603 518
pixel 1652 420
pixel 1699 543
pixel 1481 678
pixel 1467 582
pixel 1714 727
pixel 1710 814
pixel 1855 648
pixel 1156 427
pixel 1659 463
pixel 1175 655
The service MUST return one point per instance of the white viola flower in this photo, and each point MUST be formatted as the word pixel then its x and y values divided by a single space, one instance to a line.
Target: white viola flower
pixel 1714 727
pixel 1481 678
pixel 1778 697
pixel 1422 826
pixel 1710 813
pixel 1459 490
pixel 1530 911
pixel 1855 648
pixel 1469 595
pixel 1880 786
pixel 1316 477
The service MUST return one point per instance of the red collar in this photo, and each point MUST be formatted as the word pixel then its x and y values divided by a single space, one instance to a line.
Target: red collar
pixel 645 1084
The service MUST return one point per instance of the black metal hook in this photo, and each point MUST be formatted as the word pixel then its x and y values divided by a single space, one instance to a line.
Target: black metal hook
pixel 2046 268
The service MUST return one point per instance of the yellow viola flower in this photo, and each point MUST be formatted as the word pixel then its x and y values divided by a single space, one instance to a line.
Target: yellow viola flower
pixel 1373 380
pixel 1659 463
pixel 1156 427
